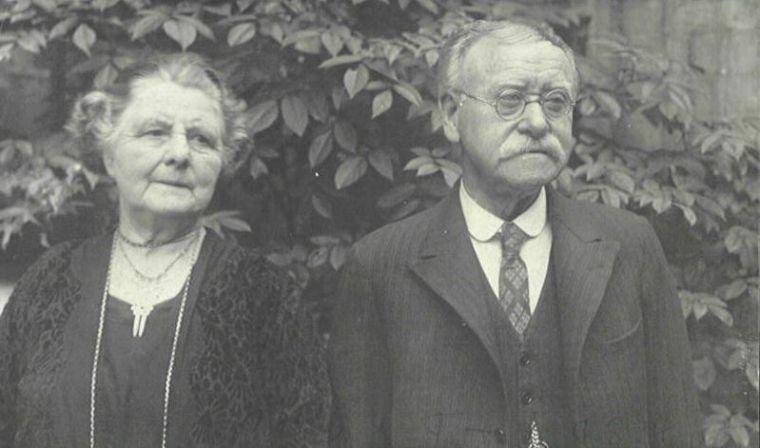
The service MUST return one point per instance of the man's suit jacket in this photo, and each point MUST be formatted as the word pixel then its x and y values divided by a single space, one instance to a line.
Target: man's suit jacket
pixel 413 362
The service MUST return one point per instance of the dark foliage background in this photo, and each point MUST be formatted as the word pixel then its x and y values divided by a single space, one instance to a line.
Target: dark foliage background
pixel 346 135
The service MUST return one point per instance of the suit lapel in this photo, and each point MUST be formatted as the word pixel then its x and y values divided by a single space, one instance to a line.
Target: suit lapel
pixel 582 257
pixel 583 261
pixel 448 265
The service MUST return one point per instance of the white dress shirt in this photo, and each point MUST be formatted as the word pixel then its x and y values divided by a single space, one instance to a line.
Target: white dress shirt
pixel 485 228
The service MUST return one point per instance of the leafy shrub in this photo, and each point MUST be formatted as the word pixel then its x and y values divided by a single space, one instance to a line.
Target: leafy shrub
pixel 347 134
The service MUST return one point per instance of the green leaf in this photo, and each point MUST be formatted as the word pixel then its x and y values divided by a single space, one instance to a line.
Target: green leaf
pixel 199 26
pixel 322 206
pixel 381 162
pixel 316 103
pixel 181 32
pixel 409 92
pixel 739 435
pixel 257 168
pixel 46 5
pixel 261 116
pixel 225 219
pixel 241 33
pixel 451 171
pixel 381 103
pixel 621 180
pixel 105 76
pixel 431 57
pixel 320 149
pixel 688 213
pixel 223 10
pixel 102 5
pixel 6 51
pixel 733 289
pixel 151 22
pixel 608 102
pixel 722 313
pixel 351 170
pixel 295 114
pixel 244 4
pixel 305 34
pixel 332 42
pixel 430 5
pixel 338 256
pixel 345 135
pixel 418 162
pixel 84 38
pixel 63 27
pixel 420 151
pixel 354 80
pixel 341 60
pixel 310 46
pixel 426 170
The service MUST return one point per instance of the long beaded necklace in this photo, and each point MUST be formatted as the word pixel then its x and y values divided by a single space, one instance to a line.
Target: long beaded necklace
pixel 99 340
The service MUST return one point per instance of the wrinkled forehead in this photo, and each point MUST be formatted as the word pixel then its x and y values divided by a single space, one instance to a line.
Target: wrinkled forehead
pixel 522 60
pixel 153 97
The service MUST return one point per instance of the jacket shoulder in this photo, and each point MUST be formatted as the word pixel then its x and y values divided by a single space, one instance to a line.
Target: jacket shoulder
pixel 397 239
pixel 611 222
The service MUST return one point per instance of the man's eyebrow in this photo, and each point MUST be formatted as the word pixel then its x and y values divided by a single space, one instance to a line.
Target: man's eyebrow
pixel 150 121
pixel 500 88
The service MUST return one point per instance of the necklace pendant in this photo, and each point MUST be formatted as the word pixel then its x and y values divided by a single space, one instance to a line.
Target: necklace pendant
pixel 140 313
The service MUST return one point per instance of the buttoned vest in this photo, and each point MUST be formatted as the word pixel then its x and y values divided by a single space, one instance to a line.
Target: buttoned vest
pixel 533 379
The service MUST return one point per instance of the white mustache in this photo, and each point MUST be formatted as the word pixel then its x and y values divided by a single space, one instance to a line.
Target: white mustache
pixel 518 145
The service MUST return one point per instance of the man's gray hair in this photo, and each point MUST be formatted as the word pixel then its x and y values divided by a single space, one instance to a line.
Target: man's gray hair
pixel 510 32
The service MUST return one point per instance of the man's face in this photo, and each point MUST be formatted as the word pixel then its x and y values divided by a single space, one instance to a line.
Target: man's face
pixel 524 152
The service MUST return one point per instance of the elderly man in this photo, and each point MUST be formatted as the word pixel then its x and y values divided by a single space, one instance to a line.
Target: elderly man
pixel 508 315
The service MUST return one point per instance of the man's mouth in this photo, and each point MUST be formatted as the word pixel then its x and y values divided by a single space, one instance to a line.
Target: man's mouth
pixel 173 183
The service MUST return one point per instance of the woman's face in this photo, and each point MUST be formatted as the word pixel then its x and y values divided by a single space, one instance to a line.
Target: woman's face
pixel 165 152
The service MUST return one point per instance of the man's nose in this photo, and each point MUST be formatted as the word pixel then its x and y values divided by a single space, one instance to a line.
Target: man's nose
pixel 178 151
pixel 533 121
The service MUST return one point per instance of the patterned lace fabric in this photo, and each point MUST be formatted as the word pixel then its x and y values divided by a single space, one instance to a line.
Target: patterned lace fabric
pixel 255 364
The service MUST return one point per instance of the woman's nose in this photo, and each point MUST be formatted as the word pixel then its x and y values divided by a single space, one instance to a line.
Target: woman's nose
pixel 178 150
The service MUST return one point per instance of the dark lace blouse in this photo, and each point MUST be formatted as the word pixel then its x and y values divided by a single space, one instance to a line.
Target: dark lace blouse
pixel 132 375
pixel 249 368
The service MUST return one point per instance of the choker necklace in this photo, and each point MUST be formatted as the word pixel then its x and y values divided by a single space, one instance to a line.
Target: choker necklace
pixel 172 356
pixel 155 278
pixel 153 245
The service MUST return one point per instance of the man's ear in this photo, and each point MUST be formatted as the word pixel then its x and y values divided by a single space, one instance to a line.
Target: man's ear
pixel 108 162
pixel 449 106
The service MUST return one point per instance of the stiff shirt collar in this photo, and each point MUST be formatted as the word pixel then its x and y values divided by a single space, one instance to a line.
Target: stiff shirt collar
pixel 483 225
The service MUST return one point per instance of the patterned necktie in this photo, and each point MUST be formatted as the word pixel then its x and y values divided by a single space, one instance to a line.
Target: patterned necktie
pixel 513 278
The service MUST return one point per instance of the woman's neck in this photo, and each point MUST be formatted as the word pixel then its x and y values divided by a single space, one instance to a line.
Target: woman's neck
pixel 149 229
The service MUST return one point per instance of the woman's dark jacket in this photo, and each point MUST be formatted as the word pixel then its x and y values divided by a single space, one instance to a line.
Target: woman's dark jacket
pixel 249 369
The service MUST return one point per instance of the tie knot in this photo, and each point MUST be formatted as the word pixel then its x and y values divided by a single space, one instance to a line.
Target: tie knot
pixel 512 238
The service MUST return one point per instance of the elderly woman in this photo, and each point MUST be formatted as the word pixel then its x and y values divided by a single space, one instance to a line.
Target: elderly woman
pixel 159 333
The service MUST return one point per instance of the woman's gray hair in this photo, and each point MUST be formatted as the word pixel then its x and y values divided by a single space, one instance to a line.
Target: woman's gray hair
pixel 96 113
pixel 510 32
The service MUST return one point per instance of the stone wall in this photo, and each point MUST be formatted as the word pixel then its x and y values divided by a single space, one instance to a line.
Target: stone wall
pixel 718 38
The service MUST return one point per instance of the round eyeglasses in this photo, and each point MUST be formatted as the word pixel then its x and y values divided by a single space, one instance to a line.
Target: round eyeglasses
pixel 511 104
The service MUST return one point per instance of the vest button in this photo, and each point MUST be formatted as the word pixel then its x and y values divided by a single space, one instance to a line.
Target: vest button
pixel 525 359
pixel 526 398
pixel 501 436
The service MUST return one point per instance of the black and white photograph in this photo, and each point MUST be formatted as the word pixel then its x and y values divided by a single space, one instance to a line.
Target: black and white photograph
pixel 379 223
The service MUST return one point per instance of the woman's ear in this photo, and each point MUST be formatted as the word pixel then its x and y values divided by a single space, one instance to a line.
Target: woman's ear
pixel 449 106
